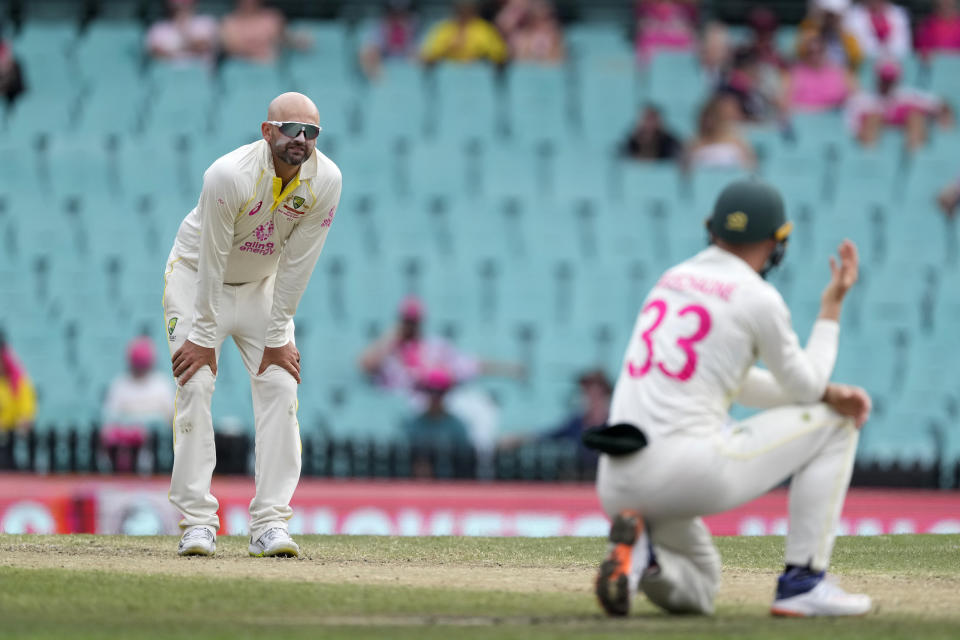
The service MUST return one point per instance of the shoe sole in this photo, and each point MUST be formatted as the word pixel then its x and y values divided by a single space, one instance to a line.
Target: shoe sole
pixel 787 613
pixel 286 552
pixel 195 552
pixel 613 580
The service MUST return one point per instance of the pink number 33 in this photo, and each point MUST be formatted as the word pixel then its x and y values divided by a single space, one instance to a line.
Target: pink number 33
pixel 685 344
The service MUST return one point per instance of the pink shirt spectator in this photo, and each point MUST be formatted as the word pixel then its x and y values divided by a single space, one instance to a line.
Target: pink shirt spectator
pixel 895 107
pixel 665 25
pixel 940 32
pixel 193 39
pixel 818 88
pixel 410 361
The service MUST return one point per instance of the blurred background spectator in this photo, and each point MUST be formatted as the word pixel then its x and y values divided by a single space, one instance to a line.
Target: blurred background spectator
pixel 650 139
pixel 18 404
pixel 816 82
pixel 394 35
pixel 715 51
pixel 719 142
pixel 940 31
pixel 11 75
pixel 531 30
pixel 464 37
pixel 403 356
pixel 756 93
pixel 949 198
pixel 136 400
pixel 435 429
pixel 826 19
pixel 256 33
pixel 893 105
pixel 184 37
pixel 593 409
pixel 665 25
pixel 882 28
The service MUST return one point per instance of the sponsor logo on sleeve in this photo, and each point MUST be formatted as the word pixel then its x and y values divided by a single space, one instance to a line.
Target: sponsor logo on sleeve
pixel 329 219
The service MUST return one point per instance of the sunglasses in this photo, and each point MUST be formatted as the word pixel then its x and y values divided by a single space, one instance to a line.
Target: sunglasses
pixel 293 129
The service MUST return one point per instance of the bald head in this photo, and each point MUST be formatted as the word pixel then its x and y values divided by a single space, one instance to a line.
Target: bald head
pixel 290 107
pixel 293 107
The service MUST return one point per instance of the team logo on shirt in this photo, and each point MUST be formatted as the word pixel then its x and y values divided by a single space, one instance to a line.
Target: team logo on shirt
pixel 736 221
pixel 297 202
pixel 171 325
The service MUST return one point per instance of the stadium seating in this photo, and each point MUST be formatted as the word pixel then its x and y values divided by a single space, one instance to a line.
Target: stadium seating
pixel 500 199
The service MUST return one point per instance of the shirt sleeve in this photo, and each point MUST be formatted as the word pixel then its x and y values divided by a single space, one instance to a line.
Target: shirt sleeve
pixel 436 42
pixel 802 374
pixel 219 202
pixel 495 45
pixel 299 256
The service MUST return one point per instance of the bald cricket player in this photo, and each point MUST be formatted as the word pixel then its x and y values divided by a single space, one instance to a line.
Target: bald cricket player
pixel 678 457
pixel 239 265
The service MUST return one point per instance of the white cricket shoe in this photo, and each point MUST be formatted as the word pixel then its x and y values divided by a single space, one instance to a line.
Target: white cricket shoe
pixel 274 543
pixel 824 599
pixel 197 541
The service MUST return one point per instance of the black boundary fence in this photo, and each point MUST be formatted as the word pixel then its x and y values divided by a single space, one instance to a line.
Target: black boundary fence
pixel 76 450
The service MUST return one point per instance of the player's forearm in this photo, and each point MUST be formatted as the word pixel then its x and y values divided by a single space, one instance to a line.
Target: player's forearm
pixel 293 273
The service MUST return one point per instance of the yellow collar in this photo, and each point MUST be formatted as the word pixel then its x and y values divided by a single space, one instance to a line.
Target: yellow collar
pixel 279 193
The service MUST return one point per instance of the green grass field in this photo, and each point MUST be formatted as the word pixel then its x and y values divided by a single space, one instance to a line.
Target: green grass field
pixel 463 588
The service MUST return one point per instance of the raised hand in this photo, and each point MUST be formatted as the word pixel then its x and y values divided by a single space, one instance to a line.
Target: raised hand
pixel 842 278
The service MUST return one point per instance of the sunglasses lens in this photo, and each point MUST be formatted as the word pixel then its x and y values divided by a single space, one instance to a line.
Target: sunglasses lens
pixel 292 130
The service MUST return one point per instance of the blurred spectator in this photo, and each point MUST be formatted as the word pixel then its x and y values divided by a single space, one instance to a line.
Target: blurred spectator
pixel 816 83
pixel 763 28
pixel 464 38
pixel 949 198
pixel 256 33
pixel 135 400
pixel 11 75
pixel 184 37
pixel 399 359
pixel 826 20
pixel 435 429
pixel 895 106
pixel 940 32
pixel 715 52
pixel 593 410
pixel 18 403
pixel 393 36
pixel 650 139
pixel 882 28
pixel 719 143
pixel 665 25
pixel 531 30
pixel 745 82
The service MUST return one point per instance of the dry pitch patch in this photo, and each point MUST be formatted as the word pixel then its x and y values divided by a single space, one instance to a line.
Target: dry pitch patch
pixel 434 587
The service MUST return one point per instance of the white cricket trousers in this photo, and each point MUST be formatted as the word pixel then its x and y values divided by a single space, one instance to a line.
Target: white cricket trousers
pixel 243 314
pixel 678 478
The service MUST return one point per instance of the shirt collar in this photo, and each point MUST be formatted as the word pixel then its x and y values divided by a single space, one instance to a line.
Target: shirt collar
pixel 713 252
pixel 308 169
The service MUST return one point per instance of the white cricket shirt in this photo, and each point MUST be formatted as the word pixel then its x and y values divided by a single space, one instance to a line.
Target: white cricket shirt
pixel 246 227
pixel 697 339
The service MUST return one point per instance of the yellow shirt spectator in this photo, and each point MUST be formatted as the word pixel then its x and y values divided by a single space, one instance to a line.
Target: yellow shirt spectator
pixel 464 41
pixel 18 407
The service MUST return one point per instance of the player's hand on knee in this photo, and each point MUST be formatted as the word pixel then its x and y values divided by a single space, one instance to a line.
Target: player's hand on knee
pixel 286 357
pixel 188 359
pixel 849 401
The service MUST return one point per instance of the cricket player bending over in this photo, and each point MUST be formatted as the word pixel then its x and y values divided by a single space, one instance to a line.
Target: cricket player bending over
pixel 239 265
pixel 692 353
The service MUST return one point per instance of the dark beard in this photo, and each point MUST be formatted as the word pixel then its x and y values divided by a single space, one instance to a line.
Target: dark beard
pixel 289 158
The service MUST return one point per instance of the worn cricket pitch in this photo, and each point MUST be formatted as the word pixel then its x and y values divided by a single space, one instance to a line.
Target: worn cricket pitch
pixel 358 587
